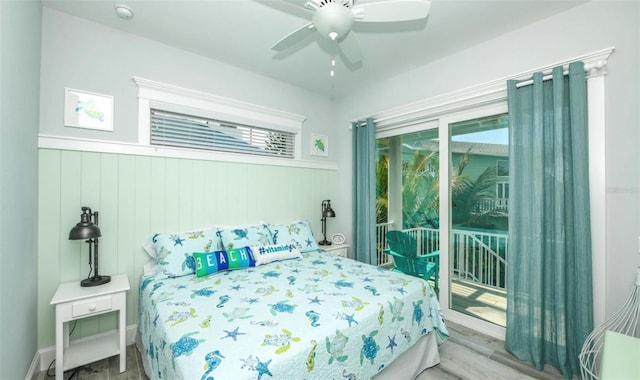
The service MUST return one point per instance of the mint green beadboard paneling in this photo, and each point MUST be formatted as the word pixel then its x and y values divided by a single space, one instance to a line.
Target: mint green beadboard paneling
pixel 137 196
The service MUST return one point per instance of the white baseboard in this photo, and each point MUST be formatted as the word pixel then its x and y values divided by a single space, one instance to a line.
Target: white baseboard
pixel 45 356
pixel 33 368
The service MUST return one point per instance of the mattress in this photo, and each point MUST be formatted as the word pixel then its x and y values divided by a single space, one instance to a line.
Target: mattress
pixel 316 317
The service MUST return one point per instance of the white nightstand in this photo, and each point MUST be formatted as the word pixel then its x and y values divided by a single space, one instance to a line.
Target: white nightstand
pixel 336 249
pixel 75 302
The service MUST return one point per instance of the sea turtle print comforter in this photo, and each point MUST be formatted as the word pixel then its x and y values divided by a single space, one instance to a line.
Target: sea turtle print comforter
pixel 317 317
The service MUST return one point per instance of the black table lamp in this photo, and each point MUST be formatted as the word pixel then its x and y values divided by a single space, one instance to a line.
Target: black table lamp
pixel 327 212
pixel 90 232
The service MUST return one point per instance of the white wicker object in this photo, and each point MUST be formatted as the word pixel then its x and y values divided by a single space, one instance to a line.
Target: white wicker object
pixel 624 321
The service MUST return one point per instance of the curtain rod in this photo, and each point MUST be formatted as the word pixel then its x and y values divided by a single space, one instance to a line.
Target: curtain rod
pixel 544 78
pixel 548 74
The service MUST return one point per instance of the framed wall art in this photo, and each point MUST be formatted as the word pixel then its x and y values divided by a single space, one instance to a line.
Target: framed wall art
pixel 319 145
pixel 89 110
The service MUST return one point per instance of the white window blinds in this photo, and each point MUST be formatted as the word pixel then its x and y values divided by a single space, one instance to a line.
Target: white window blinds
pixel 186 131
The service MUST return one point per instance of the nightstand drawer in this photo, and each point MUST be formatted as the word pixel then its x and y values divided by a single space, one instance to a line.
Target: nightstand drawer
pixel 336 249
pixel 94 305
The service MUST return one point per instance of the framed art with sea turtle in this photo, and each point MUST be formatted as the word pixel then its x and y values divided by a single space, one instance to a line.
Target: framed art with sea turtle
pixel 319 145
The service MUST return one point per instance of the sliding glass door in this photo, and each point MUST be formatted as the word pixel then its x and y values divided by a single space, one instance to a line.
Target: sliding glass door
pixel 446 182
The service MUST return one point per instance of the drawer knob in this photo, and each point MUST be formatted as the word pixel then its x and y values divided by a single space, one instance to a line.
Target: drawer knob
pixel 92 307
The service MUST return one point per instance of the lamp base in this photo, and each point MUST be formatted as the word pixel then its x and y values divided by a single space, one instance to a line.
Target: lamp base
pixel 95 281
pixel 324 242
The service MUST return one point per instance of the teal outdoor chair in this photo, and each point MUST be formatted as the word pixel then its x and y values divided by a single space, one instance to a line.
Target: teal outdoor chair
pixel 406 258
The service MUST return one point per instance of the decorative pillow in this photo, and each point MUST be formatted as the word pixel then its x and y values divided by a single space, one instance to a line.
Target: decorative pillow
pixel 298 233
pixel 244 236
pixel 174 252
pixel 212 262
pixel 264 254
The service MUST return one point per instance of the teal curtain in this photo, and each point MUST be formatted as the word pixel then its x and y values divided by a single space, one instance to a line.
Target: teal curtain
pixel 549 293
pixel 364 191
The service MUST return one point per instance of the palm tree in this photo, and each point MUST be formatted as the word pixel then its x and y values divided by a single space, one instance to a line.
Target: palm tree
pixel 468 193
pixel 421 198
pixel 382 189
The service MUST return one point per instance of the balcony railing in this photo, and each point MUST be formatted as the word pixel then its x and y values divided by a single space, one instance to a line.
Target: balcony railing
pixel 476 256
pixel 501 204
pixel 381 242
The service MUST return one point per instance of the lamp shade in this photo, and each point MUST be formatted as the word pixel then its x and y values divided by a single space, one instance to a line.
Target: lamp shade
pixel 85 229
pixel 81 231
pixel 327 211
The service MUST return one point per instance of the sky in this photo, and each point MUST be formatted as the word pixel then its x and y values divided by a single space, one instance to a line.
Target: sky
pixel 494 136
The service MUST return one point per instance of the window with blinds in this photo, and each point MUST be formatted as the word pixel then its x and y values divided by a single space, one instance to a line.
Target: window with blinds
pixel 187 131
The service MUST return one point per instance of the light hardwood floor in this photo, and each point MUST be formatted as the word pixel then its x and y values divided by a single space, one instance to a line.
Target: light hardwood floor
pixel 466 354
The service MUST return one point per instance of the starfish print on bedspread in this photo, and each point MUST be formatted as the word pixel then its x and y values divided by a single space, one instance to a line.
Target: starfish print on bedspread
pixel 233 334
pixel 263 368
pixel 400 290
pixel 392 343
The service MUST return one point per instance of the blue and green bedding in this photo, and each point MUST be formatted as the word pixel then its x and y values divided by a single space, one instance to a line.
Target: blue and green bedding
pixel 315 317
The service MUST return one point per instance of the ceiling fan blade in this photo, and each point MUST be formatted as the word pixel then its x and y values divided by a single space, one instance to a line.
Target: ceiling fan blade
pixel 309 5
pixel 351 48
pixel 294 37
pixel 297 3
pixel 392 11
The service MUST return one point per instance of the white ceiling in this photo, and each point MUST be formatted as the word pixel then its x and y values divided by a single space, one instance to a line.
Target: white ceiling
pixel 241 33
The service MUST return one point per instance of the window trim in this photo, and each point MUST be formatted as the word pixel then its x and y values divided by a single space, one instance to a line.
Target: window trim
pixel 153 94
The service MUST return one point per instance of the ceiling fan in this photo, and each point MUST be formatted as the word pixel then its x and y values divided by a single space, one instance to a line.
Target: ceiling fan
pixel 333 20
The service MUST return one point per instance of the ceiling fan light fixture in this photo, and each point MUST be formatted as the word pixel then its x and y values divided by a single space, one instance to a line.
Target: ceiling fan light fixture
pixel 333 20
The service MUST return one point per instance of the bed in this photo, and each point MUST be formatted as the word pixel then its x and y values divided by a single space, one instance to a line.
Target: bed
pixel 308 316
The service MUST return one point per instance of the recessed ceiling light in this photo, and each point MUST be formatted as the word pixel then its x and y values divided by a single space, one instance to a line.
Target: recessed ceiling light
pixel 124 12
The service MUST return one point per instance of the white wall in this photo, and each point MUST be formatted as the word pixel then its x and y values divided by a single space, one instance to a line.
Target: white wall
pixel 19 75
pixel 583 29
pixel 81 54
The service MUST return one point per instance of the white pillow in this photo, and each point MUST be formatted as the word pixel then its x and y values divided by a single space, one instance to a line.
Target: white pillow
pixel 264 254
pixel 150 249
pixel 150 267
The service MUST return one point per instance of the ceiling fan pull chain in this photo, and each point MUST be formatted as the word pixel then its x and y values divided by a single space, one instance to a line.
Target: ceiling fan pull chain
pixel 333 58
